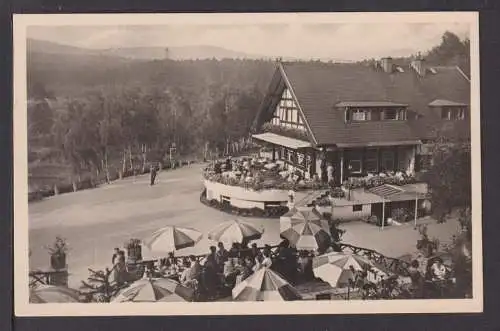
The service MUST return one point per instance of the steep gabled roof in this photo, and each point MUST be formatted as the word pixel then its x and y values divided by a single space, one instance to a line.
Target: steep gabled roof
pixel 320 87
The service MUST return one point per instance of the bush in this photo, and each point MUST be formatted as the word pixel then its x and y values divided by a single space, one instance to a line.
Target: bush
pixel 402 215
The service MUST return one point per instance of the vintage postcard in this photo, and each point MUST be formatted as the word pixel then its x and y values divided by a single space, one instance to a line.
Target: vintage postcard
pixel 196 164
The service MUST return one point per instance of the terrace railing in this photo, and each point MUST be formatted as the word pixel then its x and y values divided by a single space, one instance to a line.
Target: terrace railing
pixel 393 265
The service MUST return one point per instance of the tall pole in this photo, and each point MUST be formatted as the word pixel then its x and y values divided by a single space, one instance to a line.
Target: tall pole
pixel 383 213
pixel 341 167
pixel 416 208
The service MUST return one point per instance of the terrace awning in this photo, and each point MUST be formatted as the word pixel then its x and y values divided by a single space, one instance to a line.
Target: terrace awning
pixel 276 139
pixel 394 193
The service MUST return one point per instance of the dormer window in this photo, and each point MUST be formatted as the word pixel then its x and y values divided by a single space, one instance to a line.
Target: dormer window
pixel 362 112
pixel 449 110
pixel 453 113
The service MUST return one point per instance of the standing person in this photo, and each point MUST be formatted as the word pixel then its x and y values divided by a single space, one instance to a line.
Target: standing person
pixel 329 171
pixel 255 252
pixel 291 199
pixel 324 175
pixel 210 273
pixel 153 174
pixel 221 255
pixel 120 268
pixel 115 255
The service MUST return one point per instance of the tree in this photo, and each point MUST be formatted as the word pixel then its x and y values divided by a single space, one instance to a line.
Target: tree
pixel 450 185
pixel 449 177
pixel 451 51
pixel 100 287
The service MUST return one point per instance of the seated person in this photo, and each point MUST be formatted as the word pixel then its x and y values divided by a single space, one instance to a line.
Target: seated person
pixel 244 269
pixel 193 272
pixel 254 251
pixel 249 262
pixel 234 251
pixel 416 278
pixel 265 263
pixel 148 272
pixel 438 270
pixel 230 273
pixel 305 267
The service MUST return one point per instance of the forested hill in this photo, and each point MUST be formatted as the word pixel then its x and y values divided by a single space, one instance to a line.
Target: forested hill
pixel 71 74
pixel 99 113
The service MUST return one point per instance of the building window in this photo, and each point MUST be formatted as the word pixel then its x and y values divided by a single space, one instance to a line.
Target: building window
pixel 390 114
pixel 375 114
pixel 354 162
pixel 402 114
pixel 404 159
pixel 453 113
pixel 285 154
pixel 359 115
pixel 357 208
pixel 388 161
pixel 371 161
pixel 355 166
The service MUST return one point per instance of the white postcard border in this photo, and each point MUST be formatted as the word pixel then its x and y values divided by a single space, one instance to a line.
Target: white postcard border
pixel 21 247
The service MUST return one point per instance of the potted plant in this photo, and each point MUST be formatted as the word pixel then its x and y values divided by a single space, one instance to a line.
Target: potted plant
pixel 57 253
pixel 134 250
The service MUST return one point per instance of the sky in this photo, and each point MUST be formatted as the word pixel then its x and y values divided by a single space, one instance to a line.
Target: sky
pixel 339 41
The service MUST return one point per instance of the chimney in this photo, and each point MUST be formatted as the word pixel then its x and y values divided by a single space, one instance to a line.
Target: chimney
pixel 419 66
pixel 387 65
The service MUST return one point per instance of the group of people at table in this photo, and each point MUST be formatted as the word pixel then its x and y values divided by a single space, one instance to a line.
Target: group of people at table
pixel 243 169
pixel 224 269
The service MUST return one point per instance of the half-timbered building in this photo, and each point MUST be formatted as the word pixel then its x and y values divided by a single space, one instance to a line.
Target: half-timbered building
pixel 362 118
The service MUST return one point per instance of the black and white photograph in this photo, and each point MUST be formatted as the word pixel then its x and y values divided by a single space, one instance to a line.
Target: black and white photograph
pixel 167 161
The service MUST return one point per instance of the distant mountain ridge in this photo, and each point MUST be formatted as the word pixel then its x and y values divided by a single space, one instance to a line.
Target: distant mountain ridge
pixel 149 53
pixel 142 53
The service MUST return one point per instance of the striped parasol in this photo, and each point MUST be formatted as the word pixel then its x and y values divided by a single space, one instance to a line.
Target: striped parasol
pixel 302 215
pixel 53 294
pixel 235 231
pixel 265 285
pixel 337 268
pixel 171 238
pixel 155 290
pixel 305 230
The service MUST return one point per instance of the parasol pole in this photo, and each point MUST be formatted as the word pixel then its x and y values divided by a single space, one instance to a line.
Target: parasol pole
pixel 383 212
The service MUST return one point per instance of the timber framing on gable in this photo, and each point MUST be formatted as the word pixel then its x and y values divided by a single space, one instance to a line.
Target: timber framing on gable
pixel 277 86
